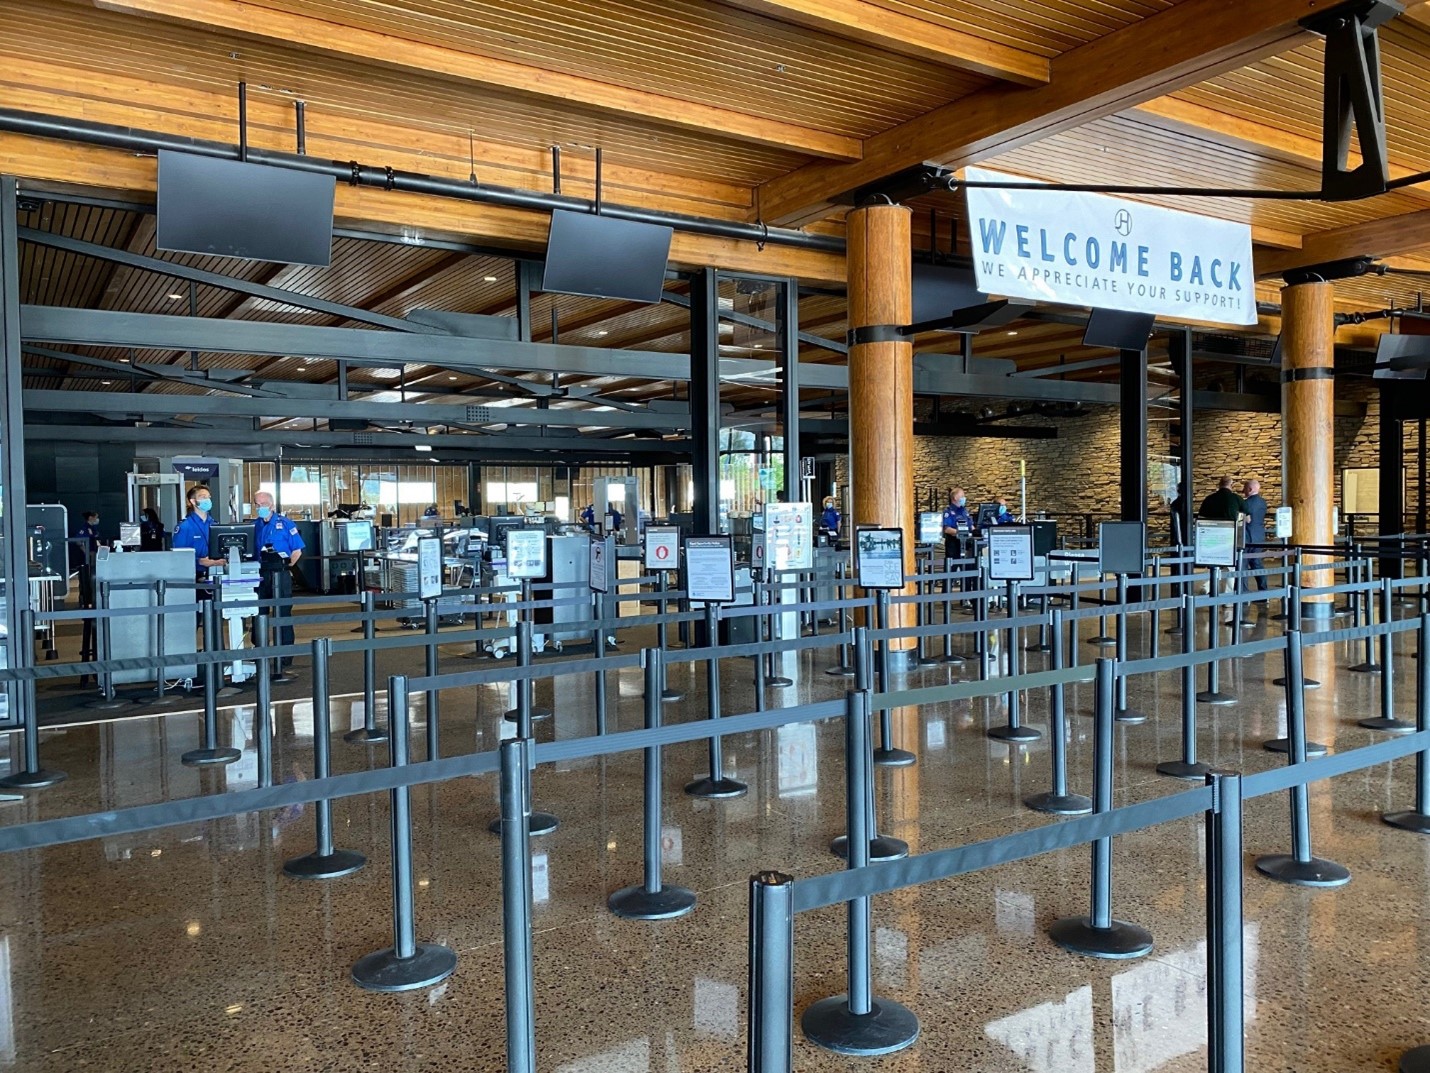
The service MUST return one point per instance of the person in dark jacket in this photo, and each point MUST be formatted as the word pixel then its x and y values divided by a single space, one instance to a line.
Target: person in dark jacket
pixel 152 533
pixel 1223 504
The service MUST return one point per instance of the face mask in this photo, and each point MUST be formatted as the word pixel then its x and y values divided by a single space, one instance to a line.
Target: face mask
pixel 1002 511
pixel 265 513
pixel 962 500
pixel 205 504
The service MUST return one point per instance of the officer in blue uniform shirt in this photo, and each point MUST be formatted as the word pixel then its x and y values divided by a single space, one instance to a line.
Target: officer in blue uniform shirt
pixel 279 547
pixel 830 519
pixel 193 531
pixel 1004 515
pixel 588 517
pixel 956 517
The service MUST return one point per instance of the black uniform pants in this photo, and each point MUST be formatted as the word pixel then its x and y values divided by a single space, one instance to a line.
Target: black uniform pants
pixel 275 582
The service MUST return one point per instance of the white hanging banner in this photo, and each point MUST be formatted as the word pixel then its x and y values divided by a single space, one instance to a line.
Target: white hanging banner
pixel 1108 253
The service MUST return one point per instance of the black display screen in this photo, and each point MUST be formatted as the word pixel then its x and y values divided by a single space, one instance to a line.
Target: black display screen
pixel 603 257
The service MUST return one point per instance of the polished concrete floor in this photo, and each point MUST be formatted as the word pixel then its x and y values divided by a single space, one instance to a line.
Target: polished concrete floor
pixel 187 948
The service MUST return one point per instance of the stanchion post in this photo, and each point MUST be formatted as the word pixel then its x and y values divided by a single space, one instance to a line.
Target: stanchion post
pixel 881 847
pixel 1417 819
pixel 1014 731
pixel 325 862
pixel 715 785
pixel 652 899
pixel 1188 767
pixel 886 755
pixel 1098 934
pixel 210 752
pixel 406 964
pixel 1058 802
pixel 263 709
pixel 771 1020
pixel 600 652
pixel 1226 1016
pixel 1386 721
pixel 773 680
pixel 539 823
pixel 1213 693
pixel 1364 617
pixel 432 700
pixel 369 733
pixel 842 669
pixel 1124 713
pixel 32 776
pixel 662 641
pixel 519 967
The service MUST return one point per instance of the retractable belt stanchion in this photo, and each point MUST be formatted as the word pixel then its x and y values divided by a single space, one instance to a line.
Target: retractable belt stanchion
pixel 1098 934
pixel 1103 639
pixel 757 664
pixel 771 996
pixel 1058 802
pixel 1074 623
pixel 1386 721
pixel 263 710
pixel 32 776
pixel 714 785
pixel 406 964
pixel 1364 617
pixel 1188 767
pixel 881 847
pixel 773 680
pixel 663 642
pixel 844 668
pixel 540 822
pixel 369 733
pixel 1299 867
pixel 210 752
pixel 432 701
pixel 107 701
pixel 652 899
pixel 1014 730
pixel 1292 602
pixel 886 755
pixel 325 862
pixel 949 655
pixel 1213 694
pixel 980 637
pixel 1417 819
pixel 1124 713
pixel 599 651
pixel 518 961
pixel 1226 1014
pixel 856 1022
pixel 161 637
pixel 524 648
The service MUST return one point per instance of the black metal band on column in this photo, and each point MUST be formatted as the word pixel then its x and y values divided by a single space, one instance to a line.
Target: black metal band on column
pixel 324 862
pixel 210 752
pixel 519 968
pixel 1418 818
pixel 32 776
pixel 771 995
pixel 1226 1015
pixel 855 1022
pixel 406 964
pixel 1014 731
pixel 715 785
pixel 1299 867
pixel 369 733
pixel 1098 934
pixel 1213 693
pixel 1188 767
pixel 1058 801
pixel 1386 721
pixel 652 899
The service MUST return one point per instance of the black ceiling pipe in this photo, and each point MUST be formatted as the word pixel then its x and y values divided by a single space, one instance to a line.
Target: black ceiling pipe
pixel 133 140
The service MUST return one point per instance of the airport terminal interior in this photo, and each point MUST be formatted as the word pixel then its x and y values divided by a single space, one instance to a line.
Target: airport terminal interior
pixel 707 535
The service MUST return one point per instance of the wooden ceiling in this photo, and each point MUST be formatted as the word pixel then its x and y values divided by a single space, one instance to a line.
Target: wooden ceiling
pixel 736 110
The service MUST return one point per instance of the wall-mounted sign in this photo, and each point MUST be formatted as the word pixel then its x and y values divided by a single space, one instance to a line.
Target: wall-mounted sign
pixel 710 569
pixel 662 547
pixel 1283 523
pixel 879 558
pixel 1214 542
pixel 1104 252
pixel 526 553
pixel 1010 553
pixel 789 536
pixel 429 568
pixel 599 563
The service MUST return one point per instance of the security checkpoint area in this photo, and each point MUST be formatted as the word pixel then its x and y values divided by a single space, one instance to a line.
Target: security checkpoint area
pixel 762 536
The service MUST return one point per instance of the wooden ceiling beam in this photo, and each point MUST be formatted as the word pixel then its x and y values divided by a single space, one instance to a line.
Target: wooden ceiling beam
pixel 893 31
pixel 1178 47
pixel 388 51
pixel 1408 233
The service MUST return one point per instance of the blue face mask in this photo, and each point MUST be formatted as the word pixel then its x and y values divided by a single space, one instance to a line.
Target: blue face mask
pixel 962 500
pixel 265 513
pixel 205 504
pixel 1002 510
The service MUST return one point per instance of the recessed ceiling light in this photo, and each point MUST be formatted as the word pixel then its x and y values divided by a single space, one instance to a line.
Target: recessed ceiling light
pixel 422 447
pixel 602 334
pixel 759 346
pixel 175 297
pixel 489 279
pixel 1012 333
pixel 106 383
pixel 451 378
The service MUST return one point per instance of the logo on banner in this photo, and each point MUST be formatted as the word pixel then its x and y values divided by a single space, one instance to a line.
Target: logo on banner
pixel 1123 223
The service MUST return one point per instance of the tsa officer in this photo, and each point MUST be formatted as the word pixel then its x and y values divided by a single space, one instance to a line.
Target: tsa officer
pixel 588 517
pixel 956 515
pixel 279 547
pixel 830 519
pixel 1004 515
pixel 193 531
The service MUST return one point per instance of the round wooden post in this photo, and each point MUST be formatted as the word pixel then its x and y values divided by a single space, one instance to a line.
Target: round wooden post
pixel 1308 338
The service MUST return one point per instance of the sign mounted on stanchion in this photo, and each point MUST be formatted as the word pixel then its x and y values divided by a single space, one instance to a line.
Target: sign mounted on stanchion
pixel 710 569
pixel 1121 547
pixel 789 536
pixel 806 466
pixel 662 547
pixel 1214 542
pixel 600 563
pixel 1283 523
pixel 930 529
pixel 526 553
pixel 429 568
pixel 879 558
pixel 1010 553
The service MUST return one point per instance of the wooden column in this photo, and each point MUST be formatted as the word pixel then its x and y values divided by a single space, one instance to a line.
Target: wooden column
pixel 881 380
pixel 1308 334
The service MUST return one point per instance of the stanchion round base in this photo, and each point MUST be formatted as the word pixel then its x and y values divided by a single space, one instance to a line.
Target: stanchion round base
pixel 230 691
pixel 1130 716
pixel 363 736
pixel 1415 1061
pixel 1365 668
pixel 538 823
pixel 1279 617
pixel 536 714
pixel 779 681
pixel 1206 696
pixel 1037 648
pixel 1175 631
pixel 1283 745
pixel 1180 769
pixel 32 780
pixel 385 971
pixel 283 678
pixel 1419 822
pixel 952 659
pixel 168 699
pixel 1119 942
pixel 881 848
pixel 1102 642
pixel 840 671
pixel 341 862
pixel 886 1028
pixel 893 757
pixel 1316 872
pixel 1388 726
pixel 102 705
pixel 1012 733
pixel 637 903
pixel 205 757
pixel 717 788
pixel 1306 683
pixel 670 696
pixel 1059 804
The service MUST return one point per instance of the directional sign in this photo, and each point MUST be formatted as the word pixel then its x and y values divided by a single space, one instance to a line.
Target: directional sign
pixel 1283 523
pixel 788 537
pixel 806 467
pixel 429 568
pixel 709 569
pixel 662 547
pixel 599 562
pixel 879 558
pixel 1214 542
pixel 1010 553
pixel 526 553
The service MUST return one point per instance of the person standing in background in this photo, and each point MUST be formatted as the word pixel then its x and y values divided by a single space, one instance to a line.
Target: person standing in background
pixel 278 546
pixel 1256 507
pixel 84 546
pixel 830 519
pixel 151 531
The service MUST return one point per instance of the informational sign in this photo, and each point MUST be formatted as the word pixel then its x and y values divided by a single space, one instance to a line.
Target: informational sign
pixel 197 470
pixel 1214 542
pixel 710 569
pixel 1283 523
pixel 1121 547
pixel 930 527
pixel 789 536
pixel 806 467
pixel 429 568
pixel 526 553
pixel 1010 553
pixel 662 547
pixel 1104 252
pixel 599 562
pixel 879 558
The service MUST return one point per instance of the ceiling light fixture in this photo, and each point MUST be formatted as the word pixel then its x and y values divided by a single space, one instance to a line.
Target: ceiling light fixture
pixel 489 279
pixel 422 447
pixel 175 297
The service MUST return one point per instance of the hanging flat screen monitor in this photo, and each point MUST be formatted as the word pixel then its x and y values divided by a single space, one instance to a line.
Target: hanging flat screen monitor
pixel 1402 357
pixel 602 257
pixel 231 209
pixel 939 290
pixel 1118 330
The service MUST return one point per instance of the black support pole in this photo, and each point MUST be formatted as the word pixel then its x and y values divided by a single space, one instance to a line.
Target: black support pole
pixel 788 327
pixel 705 399
pixel 1179 346
pixel 1132 395
pixel 1392 473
